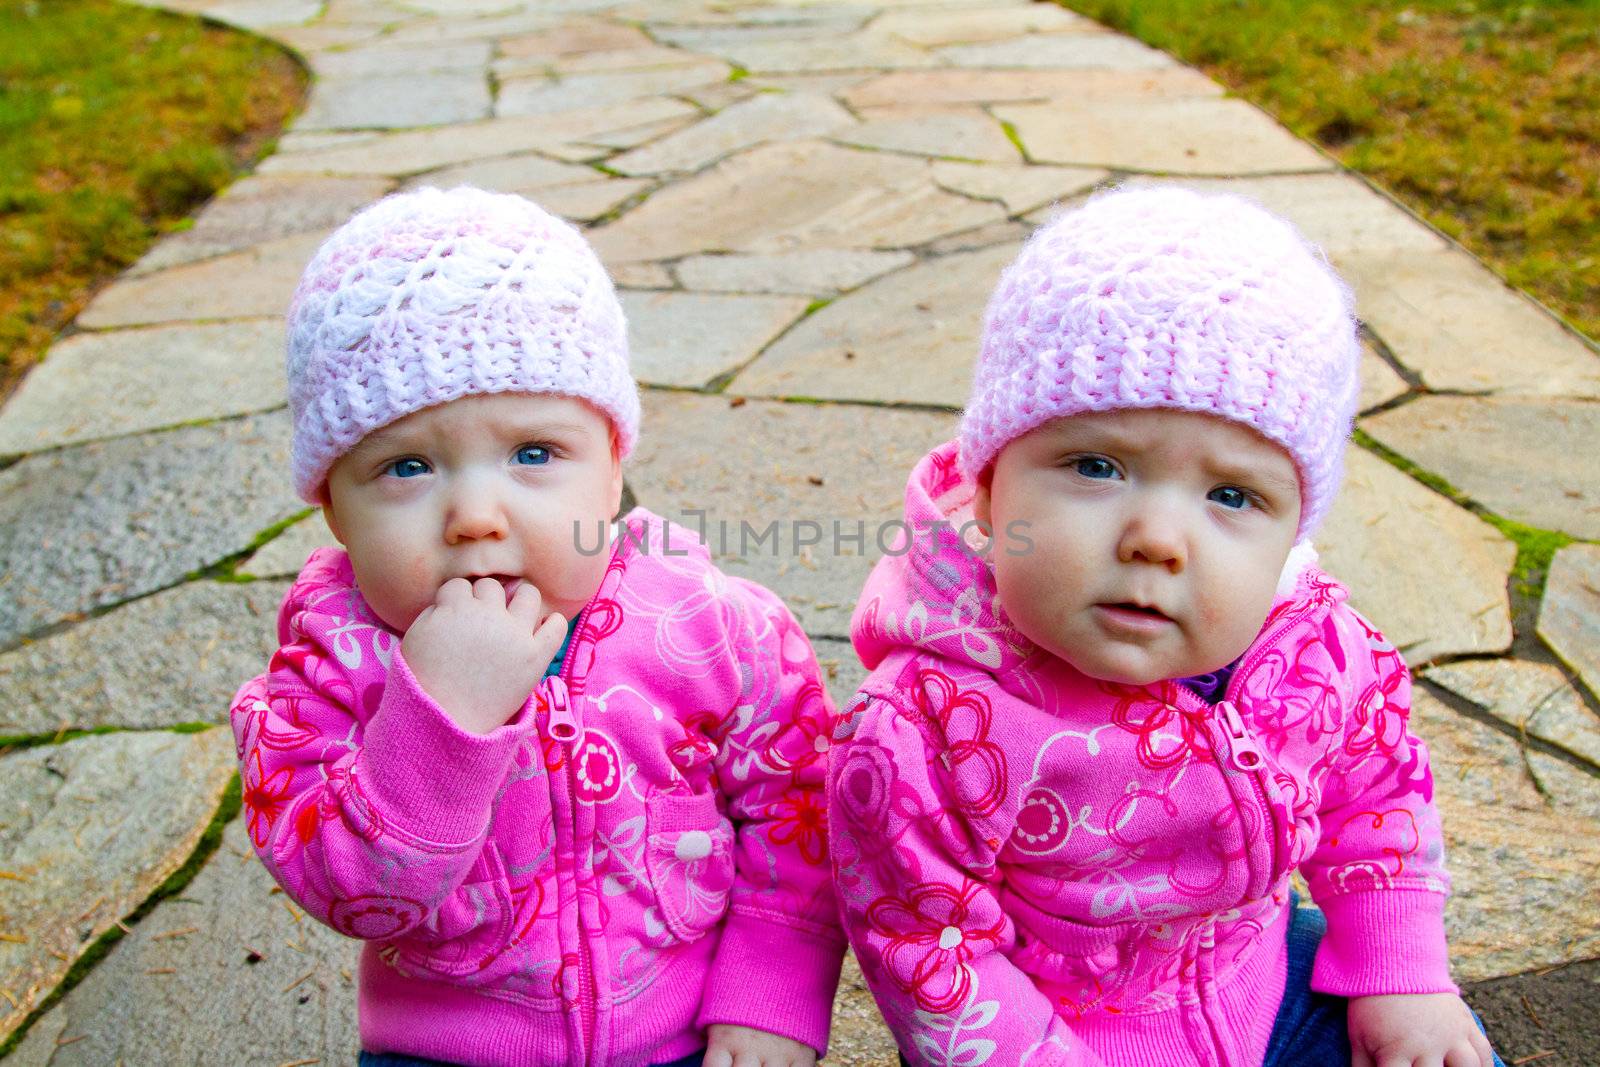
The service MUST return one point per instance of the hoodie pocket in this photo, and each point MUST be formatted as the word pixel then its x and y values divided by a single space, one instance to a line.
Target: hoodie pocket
pixel 689 861
pixel 471 928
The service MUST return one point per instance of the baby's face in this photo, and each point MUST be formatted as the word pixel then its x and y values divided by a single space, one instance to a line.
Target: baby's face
pixel 480 486
pixel 1158 538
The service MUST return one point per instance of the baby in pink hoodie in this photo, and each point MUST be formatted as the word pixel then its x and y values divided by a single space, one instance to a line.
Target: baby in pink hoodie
pixel 1114 703
pixel 562 776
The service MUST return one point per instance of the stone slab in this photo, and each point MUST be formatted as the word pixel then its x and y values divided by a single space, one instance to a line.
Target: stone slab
pixel 199 998
pixel 255 283
pixel 175 657
pixel 1021 189
pixel 322 36
pixel 264 15
pixel 1430 575
pixel 496 28
pixel 1379 382
pixel 842 671
pixel 419 151
pixel 1524 459
pixel 859 51
pixel 524 173
pixel 1458 325
pixel 539 96
pixel 383 59
pixel 641 275
pixel 397 101
pixel 1524 893
pixel 94 525
pixel 759 462
pixel 1059 51
pixel 858 1037
pixel 817 24
pixel 965 133
pixel 765 117
pixel 99 385
pixel 860 346
pixel 1008 232
pixel 1538 700
pixel 933 28
pixel 624 59
pixel 262 208
pixel 91 828
pixel 688 339
pixel 823 272
pixel 1569 617
pixel 1021 86
pixel 1171 136
pixel 592 200
pixel 635 136
pixel 813 196
pixel 572 37
pixel 285 554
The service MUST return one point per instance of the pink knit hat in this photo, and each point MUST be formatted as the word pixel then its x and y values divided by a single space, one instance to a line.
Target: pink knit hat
pixel 1157 296
pixel 429 296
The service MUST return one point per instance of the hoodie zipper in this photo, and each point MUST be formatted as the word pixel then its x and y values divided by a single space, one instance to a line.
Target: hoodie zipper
pixel 563 726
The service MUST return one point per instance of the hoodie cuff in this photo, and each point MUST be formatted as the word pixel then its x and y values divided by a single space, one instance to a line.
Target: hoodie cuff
pixel 799 1007
pixel 424 774
pixel 1383 941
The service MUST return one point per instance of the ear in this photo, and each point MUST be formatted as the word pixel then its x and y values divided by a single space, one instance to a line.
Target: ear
pixel 329 516
pixel 614 486
pixel 982 503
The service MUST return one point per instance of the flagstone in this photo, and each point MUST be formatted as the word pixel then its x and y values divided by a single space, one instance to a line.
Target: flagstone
pixel 592 200
pixel 1430 575
pixel 842 672
pixel 1564 785
pixel 1569 617
pixel 254 283
pixel 720 95
pixel 765 117
pixel 99 385
pixel 524 173
pixel 966 133
pixel 285 554
pixel 718 38
pixel 625 59
pixel 540 96
pixel 385 58
pixel 1060 51
pixel 1340 213
pixel 321 36
pixel 175 657
pixel 688 339
pixel 256 981
pixel 393 101
pixel 822 272
pixel 1379 382
pixel 466 8
pixel 1526 459
pixel 1458 325
pixel 826 84
pixel 1020 188
pixel 575 37
pixel 641 275
pixel 1176 136
pixel 812 471
pixel 814 196
pixel 92 827
pixel 1536 699
pixel 865 345
pixel 634 136
pixel 1511 855
pixel 1006 232
pixel 97 524
pixel 419 151
pixel 497 28
pixel 930 29
pixel 264 15
pixel 858 1036
pixel 825 52
pixel 1020 86
pixel 262 208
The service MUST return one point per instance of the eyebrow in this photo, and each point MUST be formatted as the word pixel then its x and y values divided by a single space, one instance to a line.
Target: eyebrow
pixel 390 437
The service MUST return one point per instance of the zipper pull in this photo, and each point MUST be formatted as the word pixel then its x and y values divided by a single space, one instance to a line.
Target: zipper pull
pixel 563 725
pixel 1243 751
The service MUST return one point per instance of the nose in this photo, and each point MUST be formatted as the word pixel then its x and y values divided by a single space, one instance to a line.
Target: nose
pixel 1154 535
pixel 474 513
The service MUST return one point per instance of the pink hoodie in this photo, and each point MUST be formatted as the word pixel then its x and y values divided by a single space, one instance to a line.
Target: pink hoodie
pixel 1038 868
pixel 529 901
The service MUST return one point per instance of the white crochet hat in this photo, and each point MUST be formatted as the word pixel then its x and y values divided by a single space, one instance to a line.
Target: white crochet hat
pixel 428 296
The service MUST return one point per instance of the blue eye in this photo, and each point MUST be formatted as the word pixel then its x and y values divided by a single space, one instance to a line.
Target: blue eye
pixel 533 455
pixel 1230 497
pixel 1096 467
pixel 408 468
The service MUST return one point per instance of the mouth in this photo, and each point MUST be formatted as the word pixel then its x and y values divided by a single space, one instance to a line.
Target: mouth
pixel 1130 615
pixel 509 582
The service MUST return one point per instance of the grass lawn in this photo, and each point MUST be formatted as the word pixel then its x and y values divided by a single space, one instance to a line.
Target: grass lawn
pixel 1479 114
pixel 115 123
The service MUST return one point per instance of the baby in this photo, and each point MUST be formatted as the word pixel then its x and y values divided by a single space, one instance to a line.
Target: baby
pixel 564 781
pixel 1114 703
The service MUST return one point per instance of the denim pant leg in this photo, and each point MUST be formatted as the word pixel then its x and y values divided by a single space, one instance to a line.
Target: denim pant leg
pixel 1311 1028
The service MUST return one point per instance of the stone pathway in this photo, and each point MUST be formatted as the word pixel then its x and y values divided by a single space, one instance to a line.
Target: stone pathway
pixel 806 203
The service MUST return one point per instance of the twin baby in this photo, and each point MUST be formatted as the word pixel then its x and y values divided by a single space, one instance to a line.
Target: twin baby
pixel 598 808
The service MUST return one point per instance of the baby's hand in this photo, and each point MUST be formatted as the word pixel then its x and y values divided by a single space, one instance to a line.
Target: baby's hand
pixel 478 656
pixel 742 1046
pixel 1418 1028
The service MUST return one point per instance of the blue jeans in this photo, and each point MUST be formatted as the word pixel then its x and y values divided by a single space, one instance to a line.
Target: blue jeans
pixel 1310 1029
pixel 395 1059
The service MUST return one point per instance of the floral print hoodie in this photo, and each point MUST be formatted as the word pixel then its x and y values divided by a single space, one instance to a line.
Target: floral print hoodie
pixel 639 853
pixel 1039 868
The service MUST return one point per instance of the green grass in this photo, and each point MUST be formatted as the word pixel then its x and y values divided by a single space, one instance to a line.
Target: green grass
pixel 1479 115
pixel 115 123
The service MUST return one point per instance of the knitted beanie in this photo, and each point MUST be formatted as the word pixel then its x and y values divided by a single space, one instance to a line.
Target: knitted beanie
pixel 428 296
pixel 1158 296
